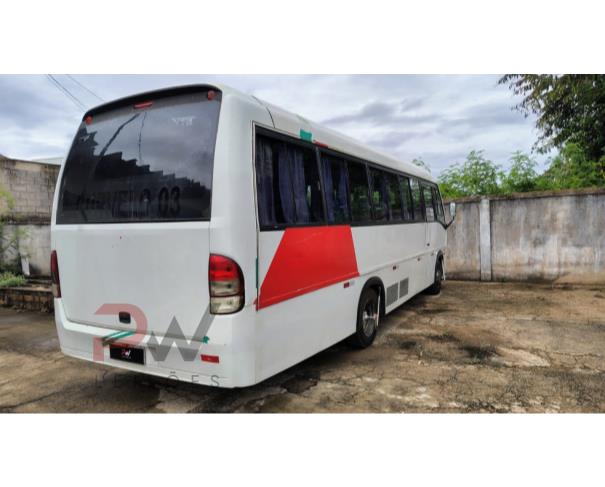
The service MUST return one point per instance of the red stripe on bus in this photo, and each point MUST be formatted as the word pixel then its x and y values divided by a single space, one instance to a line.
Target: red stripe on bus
pixel 308 259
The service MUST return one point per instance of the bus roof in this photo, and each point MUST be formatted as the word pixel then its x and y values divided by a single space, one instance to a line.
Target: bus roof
pixel 293 124
pixel 290 123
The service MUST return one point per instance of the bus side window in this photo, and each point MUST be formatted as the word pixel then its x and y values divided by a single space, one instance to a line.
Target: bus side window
pixel 416 201
pixel 438 205
pixel 288 184
pixel 379 195
pixel 334 171
pixel 394 197
pixel 406 195
pixel 429 205
pixel 358 186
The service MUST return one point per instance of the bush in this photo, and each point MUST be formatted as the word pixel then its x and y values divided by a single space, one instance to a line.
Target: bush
pixel 8 279
pixel 475 176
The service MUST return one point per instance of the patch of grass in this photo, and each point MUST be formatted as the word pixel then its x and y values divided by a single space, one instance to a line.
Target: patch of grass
pixel 8 279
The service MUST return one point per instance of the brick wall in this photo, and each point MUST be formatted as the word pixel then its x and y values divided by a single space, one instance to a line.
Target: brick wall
pixel 32 186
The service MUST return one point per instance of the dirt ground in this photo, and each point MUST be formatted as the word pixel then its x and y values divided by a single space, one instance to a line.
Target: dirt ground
pixel 478 347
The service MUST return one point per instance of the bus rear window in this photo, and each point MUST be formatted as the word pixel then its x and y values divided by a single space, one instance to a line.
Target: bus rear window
pixel 142 163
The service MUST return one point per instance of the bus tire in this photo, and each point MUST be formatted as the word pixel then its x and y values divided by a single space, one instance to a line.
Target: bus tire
pixel 368 315
pixel 435 288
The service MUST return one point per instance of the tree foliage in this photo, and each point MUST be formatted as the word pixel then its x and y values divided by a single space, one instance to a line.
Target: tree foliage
pixel 475 176
pixel 570 109
pixel 570 112
pixel 571 168
pixel 522 175
pixel 478 176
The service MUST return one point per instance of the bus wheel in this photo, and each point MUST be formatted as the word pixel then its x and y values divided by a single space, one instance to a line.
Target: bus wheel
pixel 368 314
pixel 436 286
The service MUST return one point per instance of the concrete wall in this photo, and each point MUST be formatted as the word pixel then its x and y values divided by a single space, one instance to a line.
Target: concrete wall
pixel 462 256
pixel 32 187
pixel 533 236
pixel 34 243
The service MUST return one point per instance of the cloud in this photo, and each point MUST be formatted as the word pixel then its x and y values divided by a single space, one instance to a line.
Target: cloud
pixel 439 118
pixel 378 113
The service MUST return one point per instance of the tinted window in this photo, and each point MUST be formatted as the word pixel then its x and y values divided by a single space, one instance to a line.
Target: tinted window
pixel 406 196
pixel 358 185
pixel 416 201
pixel 429 205
pixel 394 197
pixel 336 189
pixel 438 205
pixel 141 165
pixel 380 195
pixel 288 185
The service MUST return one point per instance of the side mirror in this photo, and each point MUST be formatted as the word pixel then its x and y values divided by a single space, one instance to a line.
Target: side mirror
pixel 452 214
pixel 453 210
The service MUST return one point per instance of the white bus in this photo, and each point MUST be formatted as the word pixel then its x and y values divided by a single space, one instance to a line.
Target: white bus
pixel 204 235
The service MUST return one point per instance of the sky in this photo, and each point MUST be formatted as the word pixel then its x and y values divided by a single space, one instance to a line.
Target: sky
pixel 438 118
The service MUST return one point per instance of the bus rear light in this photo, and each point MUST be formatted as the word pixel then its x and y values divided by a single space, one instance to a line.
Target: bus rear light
pixel 145 104
pixel 213 359
pixel 54 274
pixel 226 285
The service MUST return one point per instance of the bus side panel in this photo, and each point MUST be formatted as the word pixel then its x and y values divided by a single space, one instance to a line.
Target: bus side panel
pixel 394 253
pixel 307 292
pixel 437 240
pixel 296 328
pixel 291 331
pixel 233 230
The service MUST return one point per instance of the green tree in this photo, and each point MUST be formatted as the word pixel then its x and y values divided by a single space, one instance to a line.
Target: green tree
pixel 522 175
pixel 476 176
pixel 572 168
pixel 570 109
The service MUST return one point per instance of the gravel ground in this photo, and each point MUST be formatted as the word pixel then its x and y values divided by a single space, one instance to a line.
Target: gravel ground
pixel 478 347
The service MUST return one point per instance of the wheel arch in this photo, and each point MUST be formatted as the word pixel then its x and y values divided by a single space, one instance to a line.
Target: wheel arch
pixel 441 257
pixel 376 283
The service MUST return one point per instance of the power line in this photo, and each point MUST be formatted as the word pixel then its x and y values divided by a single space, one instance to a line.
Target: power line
pixel 84 87
pixel 66 92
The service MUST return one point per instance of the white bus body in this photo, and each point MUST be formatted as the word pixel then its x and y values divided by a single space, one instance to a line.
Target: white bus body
pixel 156 184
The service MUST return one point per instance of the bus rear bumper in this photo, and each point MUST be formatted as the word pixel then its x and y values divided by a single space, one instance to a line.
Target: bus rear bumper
pixel 91 343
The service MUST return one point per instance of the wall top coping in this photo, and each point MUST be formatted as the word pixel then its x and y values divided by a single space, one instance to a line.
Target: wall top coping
pixel 531 195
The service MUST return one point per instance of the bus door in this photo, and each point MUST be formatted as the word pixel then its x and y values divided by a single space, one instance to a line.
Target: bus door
pixel 429 212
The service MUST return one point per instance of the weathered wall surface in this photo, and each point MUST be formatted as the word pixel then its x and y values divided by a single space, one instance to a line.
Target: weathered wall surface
pixel 32 187
pixel 462 256
pixel 533 236
pixel 34 243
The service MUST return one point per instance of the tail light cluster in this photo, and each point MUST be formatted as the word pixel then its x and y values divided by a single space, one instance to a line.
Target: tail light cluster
pixel 226 285
pixel 54 274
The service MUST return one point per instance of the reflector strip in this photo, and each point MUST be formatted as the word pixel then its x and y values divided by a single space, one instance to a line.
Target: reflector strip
pixel 210 358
